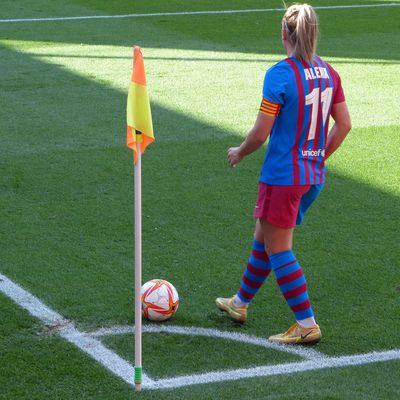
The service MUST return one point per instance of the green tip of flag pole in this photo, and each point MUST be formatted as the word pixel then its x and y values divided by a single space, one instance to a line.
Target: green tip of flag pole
pixel 138 375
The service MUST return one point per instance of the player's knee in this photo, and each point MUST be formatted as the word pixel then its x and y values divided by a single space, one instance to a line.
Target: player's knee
pixel 276 248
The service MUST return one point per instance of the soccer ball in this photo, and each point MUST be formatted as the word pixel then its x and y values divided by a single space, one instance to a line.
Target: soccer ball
pixel 160 300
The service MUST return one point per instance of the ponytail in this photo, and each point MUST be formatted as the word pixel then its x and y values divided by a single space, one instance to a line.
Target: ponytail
pixel 301 25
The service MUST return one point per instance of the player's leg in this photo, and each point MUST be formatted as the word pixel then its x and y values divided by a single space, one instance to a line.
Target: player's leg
pixel 292 284
pixel 255 273
pixel 278 233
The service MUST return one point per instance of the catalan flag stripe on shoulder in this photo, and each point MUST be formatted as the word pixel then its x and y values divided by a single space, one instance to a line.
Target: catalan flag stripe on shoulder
pixel 269 108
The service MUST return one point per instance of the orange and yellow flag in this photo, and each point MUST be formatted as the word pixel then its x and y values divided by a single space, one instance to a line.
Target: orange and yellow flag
pixel 138 112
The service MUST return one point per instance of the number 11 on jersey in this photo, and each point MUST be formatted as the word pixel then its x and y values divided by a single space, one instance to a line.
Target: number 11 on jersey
pixel 312 99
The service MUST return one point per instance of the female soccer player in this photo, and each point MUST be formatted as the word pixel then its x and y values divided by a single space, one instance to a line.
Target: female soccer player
pixel 299 94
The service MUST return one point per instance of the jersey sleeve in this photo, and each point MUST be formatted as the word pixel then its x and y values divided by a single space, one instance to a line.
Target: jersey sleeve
pixel 275 83
pixel 338 94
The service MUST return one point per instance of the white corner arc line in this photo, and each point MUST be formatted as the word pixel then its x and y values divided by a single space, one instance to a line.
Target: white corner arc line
pixel 307 353
pixel 169 14
pixel 67 330
pixel 280 369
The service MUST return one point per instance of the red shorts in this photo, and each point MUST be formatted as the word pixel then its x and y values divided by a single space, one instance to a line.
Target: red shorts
pixel 279 205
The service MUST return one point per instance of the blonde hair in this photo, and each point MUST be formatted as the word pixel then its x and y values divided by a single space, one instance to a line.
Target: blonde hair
pixel 301 24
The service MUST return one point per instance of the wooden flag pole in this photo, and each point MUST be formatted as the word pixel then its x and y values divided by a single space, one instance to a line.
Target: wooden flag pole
pixel 138 269
pixel 139 135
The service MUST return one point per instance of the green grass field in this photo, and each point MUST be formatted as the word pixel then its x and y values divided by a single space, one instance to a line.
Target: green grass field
pixel 66 196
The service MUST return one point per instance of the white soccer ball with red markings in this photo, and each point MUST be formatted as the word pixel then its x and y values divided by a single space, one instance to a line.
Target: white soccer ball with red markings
pixel 160 300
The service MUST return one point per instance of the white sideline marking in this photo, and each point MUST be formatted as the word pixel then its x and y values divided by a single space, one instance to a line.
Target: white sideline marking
pixel 167 14
pixel 118 366
pixel 67 330
pixel 280 369
pixel 304 352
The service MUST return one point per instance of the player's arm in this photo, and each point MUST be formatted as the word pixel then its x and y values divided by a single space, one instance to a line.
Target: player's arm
pixel 254 140
pixel 340 128
pixel 258 134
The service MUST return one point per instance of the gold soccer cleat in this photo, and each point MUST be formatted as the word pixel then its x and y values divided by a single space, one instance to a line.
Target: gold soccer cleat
pixel 298 335
pixel 238 314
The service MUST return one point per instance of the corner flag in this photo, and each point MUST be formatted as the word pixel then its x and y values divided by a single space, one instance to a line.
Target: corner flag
pixel 138 112
pixel 139 136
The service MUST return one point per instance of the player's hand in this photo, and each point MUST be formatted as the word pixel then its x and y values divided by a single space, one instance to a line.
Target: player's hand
pixel 234 156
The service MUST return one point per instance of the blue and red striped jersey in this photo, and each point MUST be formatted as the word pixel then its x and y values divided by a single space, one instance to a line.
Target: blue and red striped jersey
pixel 300 95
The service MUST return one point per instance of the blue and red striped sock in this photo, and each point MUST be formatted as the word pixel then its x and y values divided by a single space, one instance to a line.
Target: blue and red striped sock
pixel 292 283
pixel 255 273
